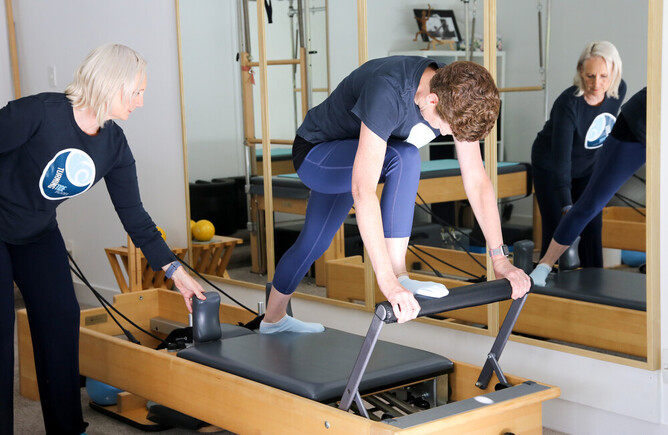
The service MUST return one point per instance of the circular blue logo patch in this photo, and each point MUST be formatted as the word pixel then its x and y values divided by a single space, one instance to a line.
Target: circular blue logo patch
pixel 71 172
pixel 599 130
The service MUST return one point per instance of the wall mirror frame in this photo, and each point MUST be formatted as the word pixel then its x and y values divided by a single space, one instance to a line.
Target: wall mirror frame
pixel 655 17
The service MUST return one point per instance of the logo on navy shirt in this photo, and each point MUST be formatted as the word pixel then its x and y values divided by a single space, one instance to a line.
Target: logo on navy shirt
pixel 71 172
pixel 599 130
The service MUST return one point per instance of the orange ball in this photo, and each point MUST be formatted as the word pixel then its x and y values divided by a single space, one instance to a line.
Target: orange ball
pixel 162 233
pixel 203 230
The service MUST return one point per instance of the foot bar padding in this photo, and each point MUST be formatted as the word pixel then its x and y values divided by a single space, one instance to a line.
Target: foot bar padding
pixel 460 297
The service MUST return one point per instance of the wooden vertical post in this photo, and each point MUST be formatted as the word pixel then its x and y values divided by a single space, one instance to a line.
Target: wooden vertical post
pixel 654 48
pixel 363 55
pixel 134 267
pixel 304 82
pixel 266 145
pixel 362 32
pixel 247 98
pixel 491 154
pixel 13 54
pixel 247 82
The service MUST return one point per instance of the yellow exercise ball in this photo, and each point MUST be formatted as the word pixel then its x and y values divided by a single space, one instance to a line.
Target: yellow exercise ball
pixel 203 230
pixel 162 233
pixel 192 226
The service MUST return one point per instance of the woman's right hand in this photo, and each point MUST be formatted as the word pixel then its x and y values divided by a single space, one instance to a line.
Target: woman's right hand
pixel 404 304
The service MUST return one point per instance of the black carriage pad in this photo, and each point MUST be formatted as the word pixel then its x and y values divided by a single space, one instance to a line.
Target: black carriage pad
pixel 316 366
pixel 616 288
pixel 230 331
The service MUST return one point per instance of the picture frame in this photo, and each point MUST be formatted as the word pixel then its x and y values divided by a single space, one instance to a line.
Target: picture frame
pixel 437 24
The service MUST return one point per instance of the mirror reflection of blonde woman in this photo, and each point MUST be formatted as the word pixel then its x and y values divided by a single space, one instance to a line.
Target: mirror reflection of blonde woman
pixel 564 151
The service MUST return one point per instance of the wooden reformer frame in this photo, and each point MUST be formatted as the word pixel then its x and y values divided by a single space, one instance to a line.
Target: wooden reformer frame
pixel 234 403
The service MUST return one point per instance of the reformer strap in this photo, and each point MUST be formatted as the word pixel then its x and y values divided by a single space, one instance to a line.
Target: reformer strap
pixel 459 297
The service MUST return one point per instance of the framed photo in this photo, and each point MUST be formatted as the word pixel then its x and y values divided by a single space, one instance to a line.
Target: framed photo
pixel 438 23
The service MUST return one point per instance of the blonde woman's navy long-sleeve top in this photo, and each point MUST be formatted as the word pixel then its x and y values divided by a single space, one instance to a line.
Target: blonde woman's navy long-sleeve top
pixel 45 159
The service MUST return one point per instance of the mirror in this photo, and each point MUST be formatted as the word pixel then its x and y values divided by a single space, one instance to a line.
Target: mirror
pixel 523 113
pixel 572 27
pixel 215 134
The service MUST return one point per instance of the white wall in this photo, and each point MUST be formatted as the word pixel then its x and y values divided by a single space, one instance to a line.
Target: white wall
pixel 597 397
pixel 213 105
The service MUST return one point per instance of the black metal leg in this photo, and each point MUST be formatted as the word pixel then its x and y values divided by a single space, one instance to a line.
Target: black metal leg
pixel 351 392
pixel 360 405
pixel 491 365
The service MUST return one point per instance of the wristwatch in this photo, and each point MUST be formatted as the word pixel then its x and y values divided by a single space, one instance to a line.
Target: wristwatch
pixel 501 250
pixel 171 269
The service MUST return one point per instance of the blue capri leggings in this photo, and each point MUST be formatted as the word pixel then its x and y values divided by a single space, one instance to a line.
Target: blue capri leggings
pixel 327 171
pixel 616 162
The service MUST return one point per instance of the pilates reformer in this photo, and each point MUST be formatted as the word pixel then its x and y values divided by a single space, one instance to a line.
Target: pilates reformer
pixel 230 400
pixel 316 366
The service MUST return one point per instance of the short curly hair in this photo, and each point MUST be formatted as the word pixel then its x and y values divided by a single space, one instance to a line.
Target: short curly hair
pixel 468 99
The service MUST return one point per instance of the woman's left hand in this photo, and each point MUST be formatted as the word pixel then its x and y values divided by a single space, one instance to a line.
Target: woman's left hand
pixel 520 281
pixel 188 287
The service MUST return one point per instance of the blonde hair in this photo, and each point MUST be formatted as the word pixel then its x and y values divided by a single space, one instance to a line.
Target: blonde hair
pixel 106 70
pixel 607 51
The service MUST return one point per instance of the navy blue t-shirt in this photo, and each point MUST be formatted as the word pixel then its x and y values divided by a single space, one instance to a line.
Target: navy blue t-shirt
pixel 379 93
pixel 569 140
pixel 631 125
pixel 45 159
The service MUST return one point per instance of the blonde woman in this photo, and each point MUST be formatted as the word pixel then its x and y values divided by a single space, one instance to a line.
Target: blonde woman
pixel 54 146
pixel 623 154
pixel 564 151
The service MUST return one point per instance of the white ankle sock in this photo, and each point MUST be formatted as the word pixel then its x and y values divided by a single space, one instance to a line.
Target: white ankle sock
pixel 540 273
pixel 423 288
pixel 289 324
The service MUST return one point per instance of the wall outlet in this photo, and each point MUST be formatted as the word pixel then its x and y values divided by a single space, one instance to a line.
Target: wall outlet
pixel 53 78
